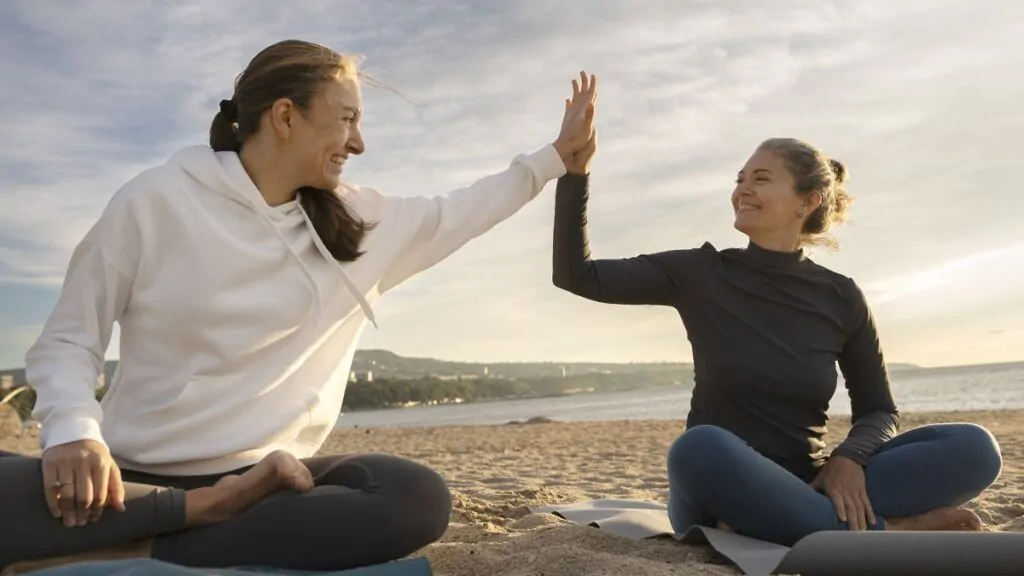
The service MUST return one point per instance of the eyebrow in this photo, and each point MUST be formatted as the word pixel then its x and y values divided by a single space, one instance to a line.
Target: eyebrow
pixel 756 170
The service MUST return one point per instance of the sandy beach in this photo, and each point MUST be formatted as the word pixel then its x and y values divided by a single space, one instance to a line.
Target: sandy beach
pixel 496 471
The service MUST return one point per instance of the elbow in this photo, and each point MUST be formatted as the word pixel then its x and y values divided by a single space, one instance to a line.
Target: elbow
pixel 567 283
pixel 559 280
pixel 578 279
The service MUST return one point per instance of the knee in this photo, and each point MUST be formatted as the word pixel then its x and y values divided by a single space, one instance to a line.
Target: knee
pixel 699 451
pixel 976 450
pixel 426 504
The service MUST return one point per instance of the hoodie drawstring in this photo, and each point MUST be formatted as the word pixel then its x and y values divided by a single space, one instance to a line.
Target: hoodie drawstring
pixel 363 303
pixel 349 285
pixel 233 181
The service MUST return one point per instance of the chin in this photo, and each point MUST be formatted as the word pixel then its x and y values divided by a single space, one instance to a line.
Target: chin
pixel 330 181
pixel 741 224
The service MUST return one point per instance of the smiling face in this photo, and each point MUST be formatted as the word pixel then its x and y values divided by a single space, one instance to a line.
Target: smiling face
pixel 765 202
pixel 322 137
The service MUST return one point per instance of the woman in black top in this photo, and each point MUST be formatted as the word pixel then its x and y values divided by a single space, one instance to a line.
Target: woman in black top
pixel 767 328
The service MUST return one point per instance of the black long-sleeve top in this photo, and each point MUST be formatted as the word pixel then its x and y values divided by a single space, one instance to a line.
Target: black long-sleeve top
pixel 766 328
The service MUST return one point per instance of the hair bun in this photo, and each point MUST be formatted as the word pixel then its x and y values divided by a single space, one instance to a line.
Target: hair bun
pixel 838 169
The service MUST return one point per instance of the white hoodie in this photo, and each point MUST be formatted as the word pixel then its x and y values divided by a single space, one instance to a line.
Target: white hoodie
pixel 237 326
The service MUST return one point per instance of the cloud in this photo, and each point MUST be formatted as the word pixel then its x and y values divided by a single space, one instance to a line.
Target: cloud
pixel 915 97
pixel 995 271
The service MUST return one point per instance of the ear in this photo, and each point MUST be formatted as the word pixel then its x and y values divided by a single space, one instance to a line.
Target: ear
pixel 282 115
pixel 811 202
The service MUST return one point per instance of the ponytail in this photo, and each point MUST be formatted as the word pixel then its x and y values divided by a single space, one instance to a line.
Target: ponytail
pixel 223 136
pixel 340 230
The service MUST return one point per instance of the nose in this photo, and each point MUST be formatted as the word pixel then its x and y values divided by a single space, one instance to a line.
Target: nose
pixel 355 142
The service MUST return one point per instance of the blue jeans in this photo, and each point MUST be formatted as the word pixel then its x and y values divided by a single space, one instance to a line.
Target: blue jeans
pixel 715 476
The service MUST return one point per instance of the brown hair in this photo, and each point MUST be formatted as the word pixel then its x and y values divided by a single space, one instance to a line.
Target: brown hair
pixel 296 70
pixel 813 172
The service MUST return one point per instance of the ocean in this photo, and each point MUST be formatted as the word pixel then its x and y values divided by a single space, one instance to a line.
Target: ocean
pixel 982 387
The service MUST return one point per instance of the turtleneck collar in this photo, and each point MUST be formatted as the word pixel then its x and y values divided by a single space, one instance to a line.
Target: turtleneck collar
pixel 773 258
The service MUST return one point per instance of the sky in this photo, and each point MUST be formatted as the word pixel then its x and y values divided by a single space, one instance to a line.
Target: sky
pixel 921 100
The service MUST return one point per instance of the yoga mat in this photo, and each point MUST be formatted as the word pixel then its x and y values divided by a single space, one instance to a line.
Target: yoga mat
pixel 149 567
pixel 830 553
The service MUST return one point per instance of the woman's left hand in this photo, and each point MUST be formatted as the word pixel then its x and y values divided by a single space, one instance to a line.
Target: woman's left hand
pixel 843 481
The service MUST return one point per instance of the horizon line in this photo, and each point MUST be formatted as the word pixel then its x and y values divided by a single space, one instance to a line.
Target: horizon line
pixel 649 362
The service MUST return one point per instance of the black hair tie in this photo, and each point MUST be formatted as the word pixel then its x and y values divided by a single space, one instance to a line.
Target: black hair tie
pixel 229 110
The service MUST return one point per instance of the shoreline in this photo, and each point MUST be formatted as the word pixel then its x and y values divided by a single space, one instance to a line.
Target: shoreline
pixel 833 418
pixel 512 399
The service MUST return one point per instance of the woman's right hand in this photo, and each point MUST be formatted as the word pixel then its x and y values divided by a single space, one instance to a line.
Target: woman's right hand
pixel 80 479
pixel 577 130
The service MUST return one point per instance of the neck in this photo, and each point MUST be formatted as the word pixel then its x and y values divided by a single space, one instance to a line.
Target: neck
pixel 776 242
pixel 276 187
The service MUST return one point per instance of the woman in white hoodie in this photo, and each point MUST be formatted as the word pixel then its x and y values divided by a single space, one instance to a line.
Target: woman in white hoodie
pixel 241 275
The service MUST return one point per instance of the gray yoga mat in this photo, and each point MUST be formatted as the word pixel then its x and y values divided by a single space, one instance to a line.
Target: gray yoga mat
pixel 831 553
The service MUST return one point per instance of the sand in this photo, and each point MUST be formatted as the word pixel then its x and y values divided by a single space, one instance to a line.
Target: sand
pixel 495 471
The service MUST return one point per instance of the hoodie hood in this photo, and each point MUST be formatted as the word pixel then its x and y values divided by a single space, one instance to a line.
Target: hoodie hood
pixel 223 173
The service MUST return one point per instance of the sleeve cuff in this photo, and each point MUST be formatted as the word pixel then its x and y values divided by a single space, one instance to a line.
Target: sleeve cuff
pixel 856 455
pixel 71 429
pixel 574 179
pixel 546 162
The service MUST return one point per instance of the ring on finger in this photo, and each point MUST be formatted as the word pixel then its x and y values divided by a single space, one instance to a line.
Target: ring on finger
pixel 59 485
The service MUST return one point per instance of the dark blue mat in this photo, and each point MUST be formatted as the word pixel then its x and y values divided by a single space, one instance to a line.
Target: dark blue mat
pixel 149 567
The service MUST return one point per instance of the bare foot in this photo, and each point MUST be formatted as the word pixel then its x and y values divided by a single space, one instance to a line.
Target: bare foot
pixel 235 494
pixel 723 526
pixel 940 519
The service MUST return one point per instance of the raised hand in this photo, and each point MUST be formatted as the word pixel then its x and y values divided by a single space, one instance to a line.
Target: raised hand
pixel 577 131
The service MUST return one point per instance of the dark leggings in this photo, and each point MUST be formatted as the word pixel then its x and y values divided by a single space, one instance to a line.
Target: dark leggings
pixel 714 475
pixel 365 509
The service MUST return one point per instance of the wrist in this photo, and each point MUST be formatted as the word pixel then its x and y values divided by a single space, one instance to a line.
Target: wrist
pixel 842 455
pixel 564 152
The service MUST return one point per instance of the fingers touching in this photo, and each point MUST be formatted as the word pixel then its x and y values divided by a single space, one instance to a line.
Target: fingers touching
pixel 67 493
pixel 50 489
pixel 116 489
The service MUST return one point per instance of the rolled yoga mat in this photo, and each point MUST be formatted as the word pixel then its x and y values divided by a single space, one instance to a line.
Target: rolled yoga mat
pixel 833 553
pixel 844 553
pixel 149 567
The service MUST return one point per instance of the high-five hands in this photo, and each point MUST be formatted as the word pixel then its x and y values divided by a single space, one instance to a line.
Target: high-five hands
pixel 577 140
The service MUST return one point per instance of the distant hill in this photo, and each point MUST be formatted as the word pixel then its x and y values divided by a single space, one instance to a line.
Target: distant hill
pixel 386 364
pixel 383 364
